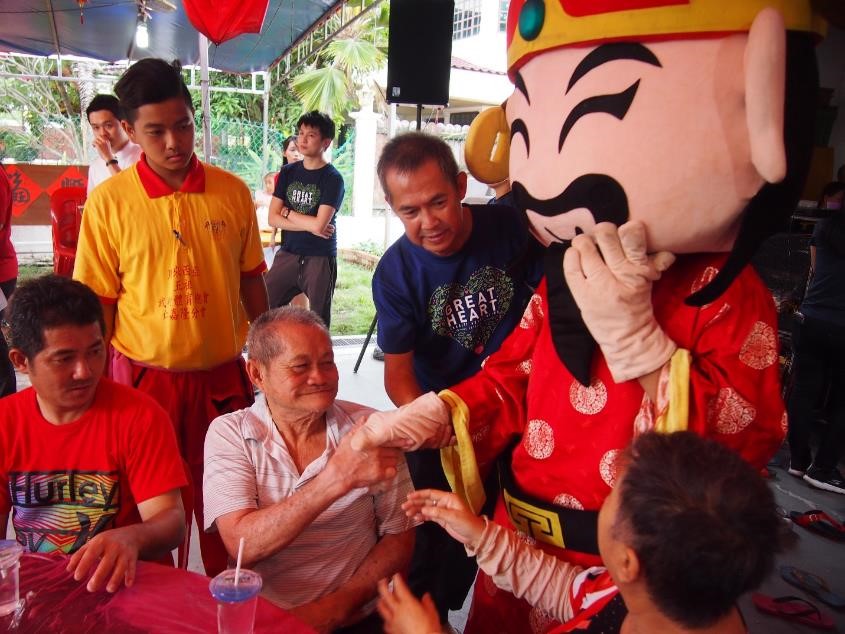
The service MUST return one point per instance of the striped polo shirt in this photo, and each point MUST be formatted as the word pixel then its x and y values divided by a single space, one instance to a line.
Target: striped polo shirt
pixel 248 466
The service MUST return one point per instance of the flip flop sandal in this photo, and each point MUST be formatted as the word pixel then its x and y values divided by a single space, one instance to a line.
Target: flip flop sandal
pixel 812 584
pixel 792 609
pixel 820 523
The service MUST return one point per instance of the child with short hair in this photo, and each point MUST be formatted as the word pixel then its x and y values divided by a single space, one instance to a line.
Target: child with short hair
pixel 688 528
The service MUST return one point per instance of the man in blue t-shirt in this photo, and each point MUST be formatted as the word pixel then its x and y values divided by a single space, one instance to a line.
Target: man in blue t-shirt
pixel 308 194
pixel 447 294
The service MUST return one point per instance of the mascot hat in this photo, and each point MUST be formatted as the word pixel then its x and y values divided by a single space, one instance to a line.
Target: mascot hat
pixel 540 25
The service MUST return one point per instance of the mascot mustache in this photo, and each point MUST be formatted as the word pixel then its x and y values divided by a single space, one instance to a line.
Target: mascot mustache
pixel 600 194
pixel 605 199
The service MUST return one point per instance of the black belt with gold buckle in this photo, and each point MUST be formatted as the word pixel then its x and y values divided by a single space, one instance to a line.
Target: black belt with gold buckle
pixel 571 529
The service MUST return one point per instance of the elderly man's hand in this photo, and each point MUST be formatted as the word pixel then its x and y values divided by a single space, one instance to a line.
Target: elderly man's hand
pixel 425 422
pixel 358 469
pixel 112 555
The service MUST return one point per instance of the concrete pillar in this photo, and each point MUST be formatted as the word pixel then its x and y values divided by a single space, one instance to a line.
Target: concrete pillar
pixel 365 155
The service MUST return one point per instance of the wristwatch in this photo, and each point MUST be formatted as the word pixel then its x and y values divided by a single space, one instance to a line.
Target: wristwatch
pixel 111 162
pixel 286 212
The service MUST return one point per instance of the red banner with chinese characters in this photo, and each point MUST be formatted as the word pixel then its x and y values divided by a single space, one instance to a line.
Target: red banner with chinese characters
pixel 32 186
pixel 221 20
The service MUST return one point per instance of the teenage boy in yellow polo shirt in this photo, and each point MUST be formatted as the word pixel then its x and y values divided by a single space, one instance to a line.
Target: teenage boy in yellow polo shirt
pixel 171 247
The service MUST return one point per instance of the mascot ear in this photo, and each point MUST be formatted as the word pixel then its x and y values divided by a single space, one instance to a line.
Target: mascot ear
pixel 488 146
pixel 765 76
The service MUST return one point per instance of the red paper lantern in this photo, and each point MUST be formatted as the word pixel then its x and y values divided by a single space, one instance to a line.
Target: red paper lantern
pixel 221 20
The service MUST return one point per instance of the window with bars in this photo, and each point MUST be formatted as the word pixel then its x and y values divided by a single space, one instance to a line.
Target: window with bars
pixel 467 20
pixel 503 14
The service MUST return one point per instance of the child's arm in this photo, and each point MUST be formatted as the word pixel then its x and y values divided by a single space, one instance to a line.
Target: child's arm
pixel 403 613
pixel 540 578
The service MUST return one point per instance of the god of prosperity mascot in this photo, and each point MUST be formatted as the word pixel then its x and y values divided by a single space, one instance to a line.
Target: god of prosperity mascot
pixel 640 132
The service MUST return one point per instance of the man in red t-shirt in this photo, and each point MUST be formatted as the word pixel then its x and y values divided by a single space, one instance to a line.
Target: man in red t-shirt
pixel 88 467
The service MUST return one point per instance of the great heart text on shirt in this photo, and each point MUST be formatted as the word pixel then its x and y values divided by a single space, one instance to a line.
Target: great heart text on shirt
pixel 470 312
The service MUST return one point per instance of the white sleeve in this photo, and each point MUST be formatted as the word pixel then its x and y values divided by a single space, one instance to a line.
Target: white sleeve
pixel 228 482
pixel 527 572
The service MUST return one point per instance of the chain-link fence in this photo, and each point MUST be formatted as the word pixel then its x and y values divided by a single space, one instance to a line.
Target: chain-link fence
pixel 236 146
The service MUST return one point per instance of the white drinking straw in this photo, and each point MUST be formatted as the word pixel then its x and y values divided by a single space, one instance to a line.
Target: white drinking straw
pixel 238 565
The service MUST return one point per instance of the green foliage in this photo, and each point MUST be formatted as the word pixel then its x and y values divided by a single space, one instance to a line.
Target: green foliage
pixel 331 82
pixel 285 108
pixel 16 146
pixel 48 112
pixel 344 162
pixel 352 305
pixel 29 271
pixel 237 146
pixel 353 55
pixel 369 246
pixel 325 89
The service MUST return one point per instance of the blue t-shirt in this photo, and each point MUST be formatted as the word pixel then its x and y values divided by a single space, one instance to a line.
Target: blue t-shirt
pixel 303 191
pixel 453 311
pixel 825 298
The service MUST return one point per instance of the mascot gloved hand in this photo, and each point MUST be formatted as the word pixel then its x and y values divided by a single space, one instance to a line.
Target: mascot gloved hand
pixel 610 277
pixel 424 423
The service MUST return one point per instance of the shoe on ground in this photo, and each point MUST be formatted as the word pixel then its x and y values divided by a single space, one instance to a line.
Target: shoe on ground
pixel 378 354
pixel 825 479
pixel 796 470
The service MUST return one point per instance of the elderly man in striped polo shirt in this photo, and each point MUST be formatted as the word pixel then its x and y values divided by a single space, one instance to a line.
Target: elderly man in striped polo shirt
pixel 321 522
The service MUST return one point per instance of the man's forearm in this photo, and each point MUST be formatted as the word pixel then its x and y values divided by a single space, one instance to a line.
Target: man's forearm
pixel 285 224
pixel 254 296
pixel 159 534
pixel 400 382
pixel 276 216
pixel 267 531
pixel 313 224
pixel 391 554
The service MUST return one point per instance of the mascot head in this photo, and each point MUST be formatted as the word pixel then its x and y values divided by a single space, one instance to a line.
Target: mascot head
pixel 693 116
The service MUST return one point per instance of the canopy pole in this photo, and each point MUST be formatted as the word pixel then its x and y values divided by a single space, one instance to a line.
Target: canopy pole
pixel 266 131
pixel 206 102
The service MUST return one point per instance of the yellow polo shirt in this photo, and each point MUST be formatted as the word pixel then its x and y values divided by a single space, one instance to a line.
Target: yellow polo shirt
pixel 172 262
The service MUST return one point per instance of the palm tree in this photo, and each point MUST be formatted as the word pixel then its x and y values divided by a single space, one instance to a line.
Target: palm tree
pixel 343 66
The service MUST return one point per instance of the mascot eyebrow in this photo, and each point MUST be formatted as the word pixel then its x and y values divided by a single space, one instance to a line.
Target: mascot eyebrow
pixel 616 105
pixel 611 53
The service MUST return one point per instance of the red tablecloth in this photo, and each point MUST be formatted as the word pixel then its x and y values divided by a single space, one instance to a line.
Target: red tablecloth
pixel 162 599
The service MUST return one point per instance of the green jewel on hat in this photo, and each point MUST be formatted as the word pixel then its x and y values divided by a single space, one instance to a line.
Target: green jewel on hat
pixel 531 19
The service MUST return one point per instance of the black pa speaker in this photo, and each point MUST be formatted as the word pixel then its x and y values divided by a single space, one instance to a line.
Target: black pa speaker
pixel 420 51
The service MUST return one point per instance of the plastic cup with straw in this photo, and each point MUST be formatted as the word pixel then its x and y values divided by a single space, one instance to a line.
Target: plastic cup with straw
pixel 236 592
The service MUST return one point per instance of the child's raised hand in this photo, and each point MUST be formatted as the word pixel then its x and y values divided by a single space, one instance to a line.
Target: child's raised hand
pixel 403 613
pixel 448 510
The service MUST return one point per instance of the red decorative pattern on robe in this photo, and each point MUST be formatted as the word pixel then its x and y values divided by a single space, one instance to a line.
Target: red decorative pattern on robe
pixel 571 434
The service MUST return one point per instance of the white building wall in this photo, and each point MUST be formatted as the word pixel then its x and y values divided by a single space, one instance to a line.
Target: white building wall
pixel 487 49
